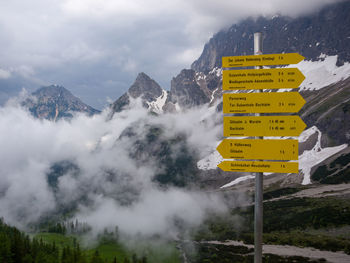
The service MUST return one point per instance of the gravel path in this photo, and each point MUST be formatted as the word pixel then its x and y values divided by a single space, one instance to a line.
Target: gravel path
pixel 334 257
pixel 319 191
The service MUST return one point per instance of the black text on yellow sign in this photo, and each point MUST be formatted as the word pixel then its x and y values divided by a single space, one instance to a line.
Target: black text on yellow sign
pixel 273 102
pixel 276 78
pixel 250 149
pixel 263 126
pixel 259 166
pixel 261 60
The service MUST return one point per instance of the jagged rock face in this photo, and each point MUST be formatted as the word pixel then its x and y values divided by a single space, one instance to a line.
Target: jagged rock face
pixel 144 87
pixel 120 103
pixel 325 32
pixel 186 91
pixel 191 89
pixel 55 102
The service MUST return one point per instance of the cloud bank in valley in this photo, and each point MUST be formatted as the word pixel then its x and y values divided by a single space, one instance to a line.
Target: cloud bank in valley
pixel 96 48
pixel 106 184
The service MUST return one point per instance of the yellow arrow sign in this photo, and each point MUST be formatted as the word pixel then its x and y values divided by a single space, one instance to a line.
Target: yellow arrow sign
pixel 263 126
pixel 261 60
pixel 275 78
pixel 259 167
pixel 262 102
pixel 259 149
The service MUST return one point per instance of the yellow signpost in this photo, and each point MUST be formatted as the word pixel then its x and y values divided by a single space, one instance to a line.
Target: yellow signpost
pixel 258 149
pixel 263 126
pixel 272 102
pixel 275 78
pixel 260 126
pixel 261 60
pixel 259 166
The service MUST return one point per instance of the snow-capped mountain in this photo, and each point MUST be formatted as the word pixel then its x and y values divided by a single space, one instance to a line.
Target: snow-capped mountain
pixel 153 97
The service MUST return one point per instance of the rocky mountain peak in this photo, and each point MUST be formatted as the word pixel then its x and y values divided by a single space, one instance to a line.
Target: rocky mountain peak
pixel 55 102
pixel 186 91
pixel 145 88
pixel 54 91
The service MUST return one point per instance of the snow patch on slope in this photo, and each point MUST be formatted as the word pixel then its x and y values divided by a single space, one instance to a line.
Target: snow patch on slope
pixel 211 161
pixel 157 105
pixel 212 95
pixel 317 154
pixel 319 74
pixel 200 76
pixel 216 71
pixel 238 180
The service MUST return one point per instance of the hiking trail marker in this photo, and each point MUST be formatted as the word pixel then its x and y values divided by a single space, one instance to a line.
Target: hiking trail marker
pixel 268 102
pixel 249 149
pixel 263 126
pixel 259 166
pixel 248 154
pixel 261 60
pixel 274 78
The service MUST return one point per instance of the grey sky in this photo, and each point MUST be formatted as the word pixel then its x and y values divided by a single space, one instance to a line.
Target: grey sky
pixel 96 48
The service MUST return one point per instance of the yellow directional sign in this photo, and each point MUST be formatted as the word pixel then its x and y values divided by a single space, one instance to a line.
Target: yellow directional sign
pixel 263 126
pixel 261 60
pixel 262 102
pixel 258 166
pixel 250 149
pixel 275 78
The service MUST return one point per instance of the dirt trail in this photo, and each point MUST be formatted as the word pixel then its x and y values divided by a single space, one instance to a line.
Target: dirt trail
pixel 319 191
pixel 336 257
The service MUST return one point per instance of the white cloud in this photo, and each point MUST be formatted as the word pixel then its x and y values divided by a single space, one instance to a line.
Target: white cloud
pixel 80 51
pixel 4 74
pixel 116 185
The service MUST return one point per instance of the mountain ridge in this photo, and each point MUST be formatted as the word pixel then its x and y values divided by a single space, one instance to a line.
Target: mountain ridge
pixel 55 102
pixel 325 32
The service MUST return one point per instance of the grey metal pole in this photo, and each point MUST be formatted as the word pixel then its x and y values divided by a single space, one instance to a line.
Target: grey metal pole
pixel 258 211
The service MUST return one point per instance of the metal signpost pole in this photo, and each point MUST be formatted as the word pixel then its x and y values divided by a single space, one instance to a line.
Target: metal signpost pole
pixel 258 211
pixel 254 151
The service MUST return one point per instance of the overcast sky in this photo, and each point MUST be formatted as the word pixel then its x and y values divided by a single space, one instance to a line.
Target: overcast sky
pixel 96 48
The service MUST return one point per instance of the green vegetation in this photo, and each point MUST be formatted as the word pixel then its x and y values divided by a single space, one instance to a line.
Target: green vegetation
pixel 301 213
pixel 281 192
pixel 332 174
pixel 286 221
pixel 157 251
pixel 59 239
pixel 17 247
pixel 109 249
